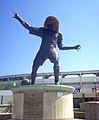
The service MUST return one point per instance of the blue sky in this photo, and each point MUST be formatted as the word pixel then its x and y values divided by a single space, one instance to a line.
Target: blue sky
pixel 79 24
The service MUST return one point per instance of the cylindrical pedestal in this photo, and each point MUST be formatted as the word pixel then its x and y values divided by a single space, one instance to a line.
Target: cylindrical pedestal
pixel 91 110
pixel 43 102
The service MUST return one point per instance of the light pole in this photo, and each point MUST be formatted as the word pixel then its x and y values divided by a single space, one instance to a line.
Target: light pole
pixel 95 88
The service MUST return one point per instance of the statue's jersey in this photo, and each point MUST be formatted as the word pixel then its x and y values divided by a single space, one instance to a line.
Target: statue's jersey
pixel 49 38
pixel 49 42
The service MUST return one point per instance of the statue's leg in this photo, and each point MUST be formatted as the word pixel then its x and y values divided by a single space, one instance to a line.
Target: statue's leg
pixel 54 58
pixel 34 73
pixel 38 61
pixel 56 72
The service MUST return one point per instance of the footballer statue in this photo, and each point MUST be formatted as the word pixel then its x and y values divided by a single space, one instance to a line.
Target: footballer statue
pixel 51 38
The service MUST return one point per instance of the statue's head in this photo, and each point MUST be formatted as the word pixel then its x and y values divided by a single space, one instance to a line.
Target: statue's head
pixel 51 23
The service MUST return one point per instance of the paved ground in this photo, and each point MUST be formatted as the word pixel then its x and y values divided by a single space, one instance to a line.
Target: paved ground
pixel 79 119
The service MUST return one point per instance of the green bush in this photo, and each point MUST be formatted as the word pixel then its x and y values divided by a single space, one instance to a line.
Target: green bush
pixel 7 85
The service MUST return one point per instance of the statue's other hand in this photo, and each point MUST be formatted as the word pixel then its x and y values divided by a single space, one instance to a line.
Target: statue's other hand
pixel 77 47
pixel 15 15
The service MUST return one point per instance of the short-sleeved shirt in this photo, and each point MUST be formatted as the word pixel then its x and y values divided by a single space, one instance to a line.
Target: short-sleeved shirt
pixel 50 39
pixel 49 42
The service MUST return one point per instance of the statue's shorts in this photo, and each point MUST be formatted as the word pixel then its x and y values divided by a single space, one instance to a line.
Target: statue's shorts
pixel 40 58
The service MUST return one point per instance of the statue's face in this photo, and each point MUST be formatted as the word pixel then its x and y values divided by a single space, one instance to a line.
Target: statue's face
pixel 50 27
pixel 51 23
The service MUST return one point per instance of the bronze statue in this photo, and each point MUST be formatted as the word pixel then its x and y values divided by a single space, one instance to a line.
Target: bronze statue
pixel 51 37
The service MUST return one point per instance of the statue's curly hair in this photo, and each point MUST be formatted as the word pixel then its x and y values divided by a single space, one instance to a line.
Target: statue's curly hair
pixel 51 22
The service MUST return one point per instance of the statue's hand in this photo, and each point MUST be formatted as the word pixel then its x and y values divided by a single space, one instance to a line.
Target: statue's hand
pixel 77 47
pixel 15 15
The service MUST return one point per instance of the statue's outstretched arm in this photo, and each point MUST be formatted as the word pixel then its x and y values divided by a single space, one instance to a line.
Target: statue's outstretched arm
pixel 61 47
pixel 76 47
pixel 25 24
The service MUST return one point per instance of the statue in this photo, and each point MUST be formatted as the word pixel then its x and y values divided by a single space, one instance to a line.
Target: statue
pixel 51 37
pixel 25 81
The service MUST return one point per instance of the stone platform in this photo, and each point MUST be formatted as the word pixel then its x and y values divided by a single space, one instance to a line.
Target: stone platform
pixel 43 102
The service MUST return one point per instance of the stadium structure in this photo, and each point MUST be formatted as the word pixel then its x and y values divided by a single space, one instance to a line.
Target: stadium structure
pixel 86 83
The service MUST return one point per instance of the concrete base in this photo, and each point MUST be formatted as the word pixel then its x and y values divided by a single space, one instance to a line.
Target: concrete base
pixel 91 110
pixel 43 103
